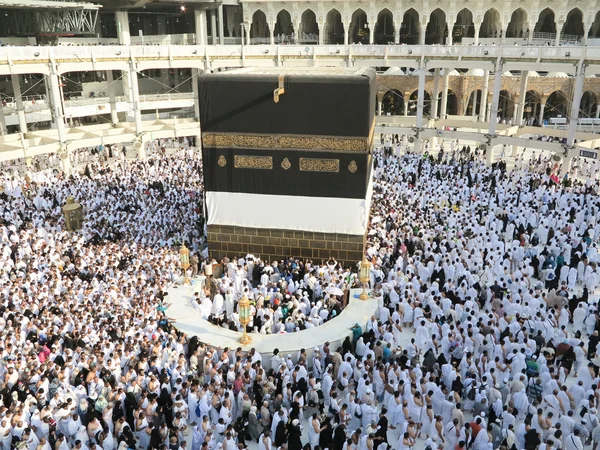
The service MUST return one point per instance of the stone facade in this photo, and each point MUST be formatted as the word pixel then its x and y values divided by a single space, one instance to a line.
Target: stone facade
pixel 275 244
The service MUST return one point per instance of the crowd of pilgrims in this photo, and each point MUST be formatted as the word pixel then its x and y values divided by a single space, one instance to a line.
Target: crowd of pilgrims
pixel 485 337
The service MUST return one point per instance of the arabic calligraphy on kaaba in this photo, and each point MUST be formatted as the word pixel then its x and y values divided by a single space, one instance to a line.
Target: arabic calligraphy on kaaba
pixel 319 165
pixel 252 162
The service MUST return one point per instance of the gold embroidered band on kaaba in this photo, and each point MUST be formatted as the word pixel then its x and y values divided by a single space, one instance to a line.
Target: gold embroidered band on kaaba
pixel 340 144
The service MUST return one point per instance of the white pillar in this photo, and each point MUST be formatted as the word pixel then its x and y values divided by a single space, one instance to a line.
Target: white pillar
pixel 444 105
pixel 213 26
pixel 406 101
pixel 476 37
pixel 597 110
pixel 542 107
pixel 523 94
pixel 422 32
pixel 436 93
pixel 450 29
pixel 566 164
pixel 3 129
pixel 19 103
pixel 58 117
pixel 397 40
pixel 379 108
pixel 421 97
pixel 114 116
pixel 247 33
pixel 200 20
pixel 135 93
pixel 346 33
pixel 558 31
pixel 575 103
pixel 586 32
pixel 123 34
pixel 272 32
pixel 221 26
pixel 195 73
pixel 321 33
pixel 484 95
pixel 495 98
pixel 371 34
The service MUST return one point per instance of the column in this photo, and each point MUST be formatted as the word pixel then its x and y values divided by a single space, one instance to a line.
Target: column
pixel 444 105
pixel 3 129
pixel 484 95
pixel 436 93
pixel 58 117
pixel 397 40
pixel 476 37
pixel 321 32
pixel 450 29
pixel 379 108
pixel 421 97
pixel 19 103
pixel 559 26
pixel 542 106
pixel 422 34
pixel 195 73
pixel 135 92
pixel 495 98
pixel 123 34
pixel 406 100
pixel 575 103
pixel 272 32
pixel 598 111
pixel 247 32
pixel 586 32
pixel 221 26
pixel 523 95
pixel 114 116
pixel 346 33
pixel 200 19
pixel 371 34
pixel 213 27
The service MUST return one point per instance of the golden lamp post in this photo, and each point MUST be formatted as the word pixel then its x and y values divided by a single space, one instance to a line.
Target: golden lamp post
pixel 244 312
pixel 364 276
pixel 184 260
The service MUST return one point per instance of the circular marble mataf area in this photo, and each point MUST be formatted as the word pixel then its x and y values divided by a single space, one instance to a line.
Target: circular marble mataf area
pixel 189 320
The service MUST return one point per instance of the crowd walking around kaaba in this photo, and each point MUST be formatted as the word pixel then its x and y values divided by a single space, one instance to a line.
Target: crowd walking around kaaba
pixel 486 336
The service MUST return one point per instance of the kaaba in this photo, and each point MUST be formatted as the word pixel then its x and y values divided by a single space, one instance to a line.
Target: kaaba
pixel 287 161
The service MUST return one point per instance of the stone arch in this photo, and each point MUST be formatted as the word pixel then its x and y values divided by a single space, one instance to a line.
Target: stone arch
pixel 437 28
pixel 334 28
pixel 491 27
pixel 309 28
pixel 556 105
pixel 506 105
pixel 359 27
pixel 532 105
pixel 463 27
pixel 259 27
pixel 410 29
pixel 451 104
pixel 594 30
pixel 384 28
pixel 473 103
pixel 588 105
pixel 414 99
pixel 518 26
pixel 283 27
pixel 392 103
pixel 573 25
pixel 546 22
